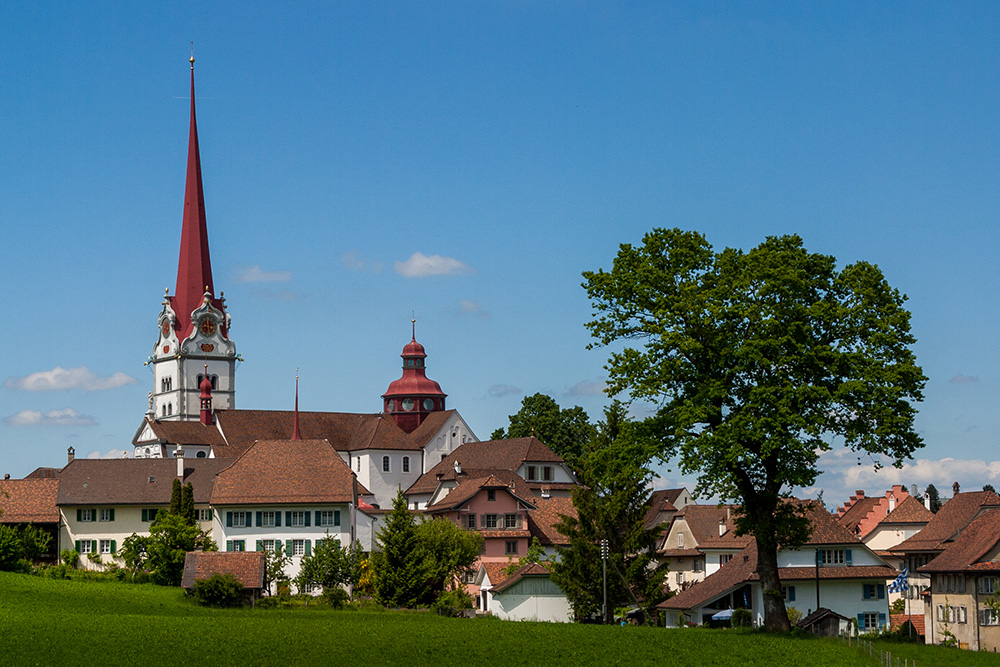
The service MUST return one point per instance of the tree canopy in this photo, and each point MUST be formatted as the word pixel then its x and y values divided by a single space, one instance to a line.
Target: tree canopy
pixel 565 431
pixel 757 360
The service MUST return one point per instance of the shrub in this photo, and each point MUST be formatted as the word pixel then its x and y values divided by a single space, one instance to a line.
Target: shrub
pixel 452 603
pixel 70 558
pixel 219 590
pixel 742 618
pixel 794 616
pixel 335 596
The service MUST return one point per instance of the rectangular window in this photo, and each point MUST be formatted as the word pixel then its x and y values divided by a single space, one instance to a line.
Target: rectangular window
pixel 491 521
pixel 491 494
pixel 469 576
pixel 724 558
pixel 870 619
pixel 547 473
pixel 833 557
pixel 85 515
pixel 298 547
pixel 240 519
pixel 788 592
pixel 510 521
pixel 267 545
pixel 203 515
pixel 406 464
pixel 471 522
pixel 510 547
pixel 267 519
pixel 238 545
pixel 105 547
pixel 385 464
pixel 328 518
pixel 298 519
pixel 987 585
pixel 532 473
pixel 962 615
pixel 83 546
pixel 106 514
pixel 869 592
pixel 989 617
pixel 357 465
pixel 680 540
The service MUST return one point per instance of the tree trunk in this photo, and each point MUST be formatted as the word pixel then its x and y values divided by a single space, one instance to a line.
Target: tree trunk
pixel 775 615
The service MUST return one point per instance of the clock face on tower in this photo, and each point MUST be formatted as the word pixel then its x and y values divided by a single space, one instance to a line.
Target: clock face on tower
pixel 388 405
pixel 166 328
pixel 206 326
pixel 407 404
pixel 428 404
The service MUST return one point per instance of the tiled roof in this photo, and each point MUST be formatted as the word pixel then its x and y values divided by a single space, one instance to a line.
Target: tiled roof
pixel 29 501
pixel 477 458
pixel 542 520
pixel 730 576
pixel 494 571
pixel 510 533
pixel 127 481
pixel 468 488
pixel 975 542
pixel 185 432
pixel 247 566
pixel 949 520
pixel 703 520
pixel 856 513
pixel 431 426
pixel 345 431
pixel 529 570
pixel 286 472
pixel 897 620
pixel 910 510
pixel 825 528
pixel 819 615
pixel 679 553
pixel 838 572
pixel 43 473
pixel 661 501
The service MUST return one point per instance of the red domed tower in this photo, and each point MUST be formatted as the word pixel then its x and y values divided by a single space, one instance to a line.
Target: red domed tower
pixel 412 397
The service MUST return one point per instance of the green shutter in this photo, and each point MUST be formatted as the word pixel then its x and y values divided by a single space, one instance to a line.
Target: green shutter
pixel 114 546
pixel 79 514
pixel 260 543
pixel 277 519
pixel 861 621
pixel 210 514
pixel 145 514
pixel 881 620
pixel 881 591
pixel 308 547
pixel 288 518
pixel 229 519
pixel 260 521
pixel 78 544
pixel 229 545
pixel 847 554
pixel 307 513
pixel 288 547
pixel 319 518
pixel 112 517
pixel 791 593
pixel 336 517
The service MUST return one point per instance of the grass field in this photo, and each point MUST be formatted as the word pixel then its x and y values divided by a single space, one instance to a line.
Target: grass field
pixel 49 622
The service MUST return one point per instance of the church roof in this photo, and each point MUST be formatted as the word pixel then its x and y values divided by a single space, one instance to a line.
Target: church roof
pixel 345 431
pixel 185 433
pixel 286 472
pixel 414 381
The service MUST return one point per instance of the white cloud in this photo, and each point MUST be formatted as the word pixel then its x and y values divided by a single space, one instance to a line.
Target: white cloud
pixel 420 265
pixel 64 417
pixel 110 454
pixel 587 388
pixel 69 378
pixel 467 307
pixel 964 379
pixel 353 262
pixel 501 390
pixel 254 274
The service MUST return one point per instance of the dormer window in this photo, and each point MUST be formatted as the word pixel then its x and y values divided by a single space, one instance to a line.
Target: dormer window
pixel 680 540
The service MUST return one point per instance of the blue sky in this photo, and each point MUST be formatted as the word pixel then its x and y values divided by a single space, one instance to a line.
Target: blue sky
pixel 515 145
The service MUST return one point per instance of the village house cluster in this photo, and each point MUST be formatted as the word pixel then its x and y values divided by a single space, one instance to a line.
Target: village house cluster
pixel 263 478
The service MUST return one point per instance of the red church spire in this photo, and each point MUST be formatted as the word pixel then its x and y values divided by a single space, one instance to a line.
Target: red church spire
pixel 412 397
pixel 194 268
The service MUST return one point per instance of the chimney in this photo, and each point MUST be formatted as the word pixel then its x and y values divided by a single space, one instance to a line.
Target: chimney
pixel 70 455
pixel 892 502
pixel 722 527
pixel 927 500
pixel 458 467
pixel 6 475
pixel 913 490
pixel 955 488
pixel 180 463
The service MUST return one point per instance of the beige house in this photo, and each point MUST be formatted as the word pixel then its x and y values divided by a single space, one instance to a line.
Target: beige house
pixel 682 546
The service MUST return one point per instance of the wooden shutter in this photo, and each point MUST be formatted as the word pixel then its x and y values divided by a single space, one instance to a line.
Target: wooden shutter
pixel 78 544
pixel 288 518
pixel 277 519
pixel 791 593
pixel 229 545
pixel 79 515
pixel 319 518
pixel 112 518
pixel 260 543
pixel 881 591
pixel 114 546
pixel 861 621
pixel 210 514
pixel 288 547
pixel 145 514
pixel 847 556
pixel 308 547
pixel 307 513
pixel 336 517
pixel 260 521
pixel 881 619
pixel 229 521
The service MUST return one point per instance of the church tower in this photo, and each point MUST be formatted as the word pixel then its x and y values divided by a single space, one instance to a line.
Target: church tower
pixel 412 397
pixel 193 344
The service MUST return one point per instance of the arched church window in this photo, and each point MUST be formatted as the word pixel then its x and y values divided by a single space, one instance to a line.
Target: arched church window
pixel 164 411
pixel 170 408
pixel 215 382
pixel 197 381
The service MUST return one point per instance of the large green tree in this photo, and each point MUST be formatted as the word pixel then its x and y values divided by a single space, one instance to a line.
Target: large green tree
pixel 397 566
pixel 757 360
pixel 446 551
pixel 564 430
pixel 611 506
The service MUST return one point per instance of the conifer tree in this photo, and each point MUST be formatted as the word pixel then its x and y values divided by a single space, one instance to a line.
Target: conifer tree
pixel 187 503
pixel 175 497
pixel 397 567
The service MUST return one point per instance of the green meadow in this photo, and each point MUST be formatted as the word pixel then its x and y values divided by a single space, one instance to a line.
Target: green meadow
pixel 54 622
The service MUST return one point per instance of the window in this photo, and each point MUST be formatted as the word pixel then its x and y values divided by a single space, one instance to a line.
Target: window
pixel 164 411
pixel 788 593
pixel 268 546
pixel 236 545
pixel 724 558
pixel 987 585
pixel 328 518
pixel 680 540
pixel 84 546
pixel 357 464
pixel 962 614
pixel 510 521
pixel 149 513
pixel 872 591
pixel 471 522
pixel 836 557
pixel 532 473
pixel 490 521
pixel 869 619
pixel 267 519
pixel 298 519
pixel 106 514
pixel 85 515
pixel 469 576
pixel 406 464
pixel 680 578
pixel 698 565
pixel 989 617
pixel 105 547
pixel 385 464
pixel 547 473
pixel 491 494
pixel 203 514
pixel 510 547
pixel 298 547
pixel 239 520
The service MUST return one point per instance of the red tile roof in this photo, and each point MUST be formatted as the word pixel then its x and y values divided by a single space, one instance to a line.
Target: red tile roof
pixel 185 432
pixel 469 487
pixel 286 472
pixel 838 572
pixel 730 576
pixel 949 520
pixel 549 512
pixel 910 510
pixel 247 566
pixel 661 501
pixel 43 473
pixel 978 540
pixel 133 481
pixel 29 501
pixel 897 620
pixel 431 426
pixel 857 512
pixel 495 571
pixel 530 570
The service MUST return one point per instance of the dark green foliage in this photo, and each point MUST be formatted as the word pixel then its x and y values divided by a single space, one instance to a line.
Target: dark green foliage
pixel 187 503
pixel 742 618
pixel 612 506
pixel 758 360
pixel 274 570
pixel 452 603
pixel 135 552
pixel 536 554
pixel 397 565
pixel 21 544
pixel 171 537
pixel 445 551
pixel 219 590
pixel 175 497
pixel 564 431
pixel 989 487
pixel 70 557
pixel 934 497
pixel 330 565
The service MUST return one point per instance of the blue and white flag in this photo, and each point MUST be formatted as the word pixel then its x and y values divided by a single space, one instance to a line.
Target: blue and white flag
pixel 900 584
